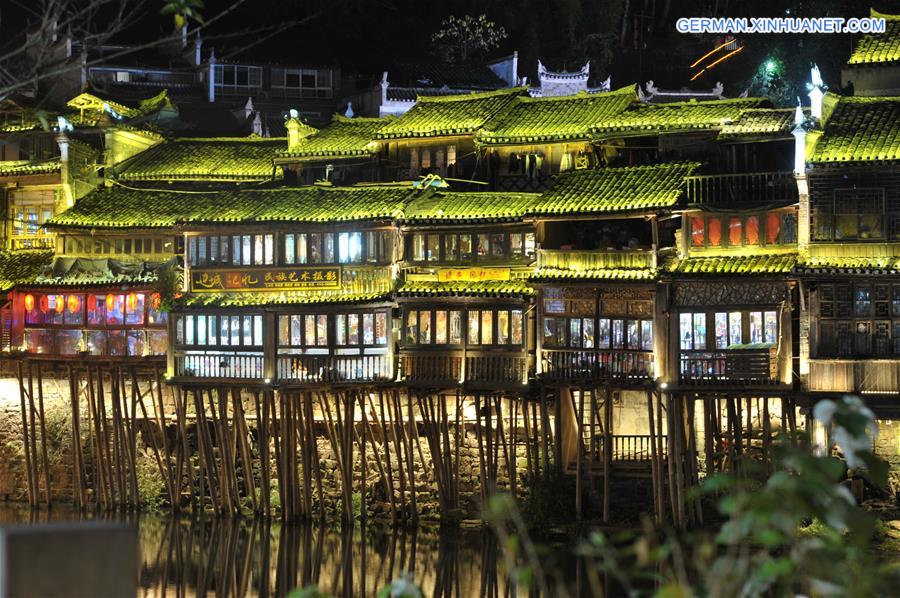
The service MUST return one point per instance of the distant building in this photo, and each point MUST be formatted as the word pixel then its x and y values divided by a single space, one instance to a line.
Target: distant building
pixel 874 65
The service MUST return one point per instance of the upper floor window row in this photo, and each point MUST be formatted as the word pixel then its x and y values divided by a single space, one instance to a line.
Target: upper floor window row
pixel 87 245
pixel 854 215
pixel 769 228
pixel 467 247
pixel 237 77
pixel 303 83
pixel 352 247
pixel 729 328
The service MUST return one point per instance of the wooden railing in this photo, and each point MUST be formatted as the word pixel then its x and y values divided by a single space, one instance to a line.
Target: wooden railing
pixel 597 364
pixel 594 260
pixel 854 375
pixel 335 368
pixel 220 365
pixel 455 368
pixel 497 368
pixel 625 447
pixel 755 366
pixel 32 241
pixel 432 367
pixel 741 188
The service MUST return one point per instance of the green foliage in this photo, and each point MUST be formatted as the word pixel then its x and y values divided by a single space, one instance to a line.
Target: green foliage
pixel 797 532
pixel 169 280
pixel 151 486
pixel 183 11
pixel 468 37
pixel 402 587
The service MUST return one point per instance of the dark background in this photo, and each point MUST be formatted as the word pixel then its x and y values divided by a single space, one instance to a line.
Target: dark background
pixel 631 40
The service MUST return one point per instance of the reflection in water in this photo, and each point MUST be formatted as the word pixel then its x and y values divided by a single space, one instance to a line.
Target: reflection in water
pixel 242 557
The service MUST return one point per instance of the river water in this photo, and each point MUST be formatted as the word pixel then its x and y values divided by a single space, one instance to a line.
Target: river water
pixel 245 557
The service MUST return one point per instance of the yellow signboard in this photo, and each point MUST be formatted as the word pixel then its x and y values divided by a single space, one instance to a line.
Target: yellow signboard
pixel 472 274
pixel 278 279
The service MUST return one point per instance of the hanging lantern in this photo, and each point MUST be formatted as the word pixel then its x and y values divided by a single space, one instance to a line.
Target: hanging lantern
pixel 110 302
pixel 45 304
pixel 29 302
pixel 132 301
pixel 59 304
pixel 73 303
pixel 155 301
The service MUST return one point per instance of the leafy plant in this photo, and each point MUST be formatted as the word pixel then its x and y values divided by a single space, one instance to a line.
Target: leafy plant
pixel 183 11
pixel 468 37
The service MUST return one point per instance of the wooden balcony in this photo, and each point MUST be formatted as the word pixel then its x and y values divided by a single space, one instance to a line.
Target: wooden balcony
pixel 866 376
pixel 739 189
pixel 32 242
pixel 570 365
pixel 577 259
pixel 335 368
pixel 240 366
pixel 757 366
pixel 454 368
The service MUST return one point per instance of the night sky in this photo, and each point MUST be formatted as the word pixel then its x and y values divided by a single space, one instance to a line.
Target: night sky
pixel 367 36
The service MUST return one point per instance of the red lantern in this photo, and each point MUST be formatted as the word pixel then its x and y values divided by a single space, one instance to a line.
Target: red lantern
pixel 132 301
pixel 110 302
pixel 29 302
pixel 45 304
pixel 59 306
pixel 74 304
pixel 155 301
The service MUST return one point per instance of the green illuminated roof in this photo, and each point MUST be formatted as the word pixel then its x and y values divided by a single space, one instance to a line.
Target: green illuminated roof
pixel 760 123
pixel 343 138
pixel 434 116
pixel 744 264
pixel 445 206
pixel 235 158
pixel 22 266
pixel 27 167
pixel 879 48
pixel 566 274
pixel 861 129
pixel 252 299
pixel 553 119
pixel 649 119
pixel 850 265
pixel 118 207
pixel 494 288
pixel 615 189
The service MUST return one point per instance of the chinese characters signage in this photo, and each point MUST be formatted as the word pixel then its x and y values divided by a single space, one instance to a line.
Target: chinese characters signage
pixel 266 280
pixel 472 274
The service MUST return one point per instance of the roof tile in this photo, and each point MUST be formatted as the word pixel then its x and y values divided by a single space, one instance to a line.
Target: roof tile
pixel 236 158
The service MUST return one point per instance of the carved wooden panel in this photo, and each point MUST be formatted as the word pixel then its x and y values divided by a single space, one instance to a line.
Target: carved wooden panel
pixel 734 293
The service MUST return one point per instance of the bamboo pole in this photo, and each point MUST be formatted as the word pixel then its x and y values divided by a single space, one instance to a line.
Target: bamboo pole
pixel 44 455
pixel 25 436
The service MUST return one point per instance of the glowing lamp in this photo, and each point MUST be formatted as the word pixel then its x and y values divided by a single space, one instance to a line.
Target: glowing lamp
pixel 132 301
pixel 155 301
pixel 29 302
pixel 45 304
pixel 73 303
pixel 59 304
pixel 110 302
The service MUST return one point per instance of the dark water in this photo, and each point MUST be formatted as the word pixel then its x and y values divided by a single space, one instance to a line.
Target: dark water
pixel 243 557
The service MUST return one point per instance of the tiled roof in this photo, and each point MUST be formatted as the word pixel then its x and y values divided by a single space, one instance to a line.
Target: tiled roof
pixel 118 207
pixel 22 266
pixel 235 158
pixel 442 206
pixel 850 265
pixel 26 167
pixel 649 119
pixel 760 123
pixel 615 189
pixel 861 129
pixel 565 274
pixel 743 264
pixel 879 48
pixel 434 116
pixel 343 138
pixel 277 298
pixel 503 288
pixel 535 120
